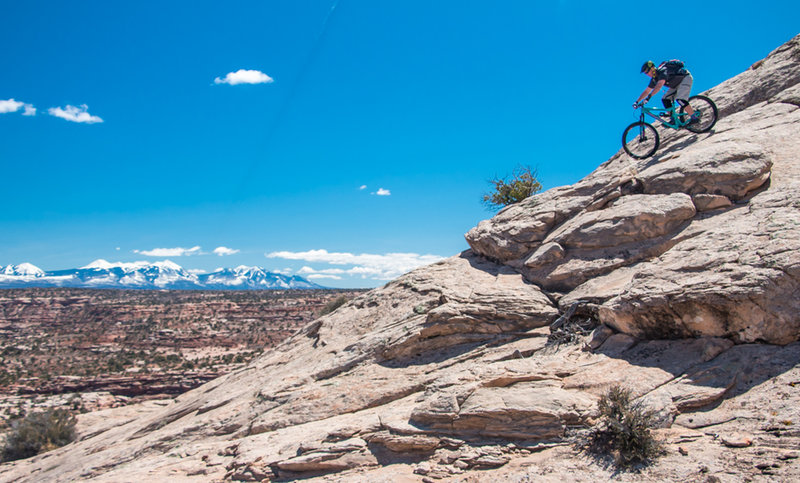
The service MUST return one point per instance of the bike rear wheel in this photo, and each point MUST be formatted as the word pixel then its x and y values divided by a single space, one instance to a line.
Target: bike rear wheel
pixel 640 140
pixel 706 110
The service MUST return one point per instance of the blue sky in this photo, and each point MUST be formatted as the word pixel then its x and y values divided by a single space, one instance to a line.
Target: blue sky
pixel 364 148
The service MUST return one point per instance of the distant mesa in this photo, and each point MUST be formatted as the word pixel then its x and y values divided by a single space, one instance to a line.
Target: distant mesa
pixel 146 275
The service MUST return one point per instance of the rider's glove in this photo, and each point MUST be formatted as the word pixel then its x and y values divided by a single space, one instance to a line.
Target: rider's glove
pixel 636 105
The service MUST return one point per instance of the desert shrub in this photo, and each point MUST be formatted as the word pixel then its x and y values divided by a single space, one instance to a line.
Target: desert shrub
pixel 115 365
pixel 624 429
pixel 421 309
pixel 521 184
pixel 39 432
pixel 7 378
pixel 333 305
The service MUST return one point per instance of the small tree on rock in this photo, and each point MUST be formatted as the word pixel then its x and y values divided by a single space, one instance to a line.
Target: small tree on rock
pixel 505 191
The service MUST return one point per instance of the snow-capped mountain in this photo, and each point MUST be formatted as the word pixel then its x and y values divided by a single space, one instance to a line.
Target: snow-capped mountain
pixel 147 275
pixel 22 270
pixel 103 274
pixel 252 278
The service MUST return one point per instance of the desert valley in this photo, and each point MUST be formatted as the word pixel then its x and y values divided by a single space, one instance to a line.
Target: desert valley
pixel 87 349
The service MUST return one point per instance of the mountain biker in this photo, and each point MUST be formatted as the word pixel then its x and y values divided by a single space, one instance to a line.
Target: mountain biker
pixel 676 78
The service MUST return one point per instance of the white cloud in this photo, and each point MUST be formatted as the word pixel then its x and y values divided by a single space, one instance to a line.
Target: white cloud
pixel 75 114
pixel 243 76
pixel 170 252
pixel 382 192
pixel 327 271
pixel 365 265
pixel 222 251
pixel 362 187
pixel 318 276
pixel 10 105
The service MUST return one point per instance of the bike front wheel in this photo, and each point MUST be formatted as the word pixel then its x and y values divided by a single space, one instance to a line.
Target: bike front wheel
pixel 640 140
pixel 706 111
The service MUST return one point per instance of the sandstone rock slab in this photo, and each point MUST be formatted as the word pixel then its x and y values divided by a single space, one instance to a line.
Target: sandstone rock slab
pixel 534 411
pixel 727 168
pixel 734 279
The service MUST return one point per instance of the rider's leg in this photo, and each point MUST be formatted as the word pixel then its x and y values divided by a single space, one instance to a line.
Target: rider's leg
pixel 667 100
pixel 682 93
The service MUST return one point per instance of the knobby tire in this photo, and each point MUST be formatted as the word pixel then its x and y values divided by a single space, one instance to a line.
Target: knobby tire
pixel 708 114
pixel 640 140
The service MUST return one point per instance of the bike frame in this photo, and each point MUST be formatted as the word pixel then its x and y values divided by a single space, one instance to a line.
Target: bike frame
pixel 655 113
pixel 641 138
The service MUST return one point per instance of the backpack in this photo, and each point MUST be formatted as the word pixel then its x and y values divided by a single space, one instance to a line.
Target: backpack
pixel 674 67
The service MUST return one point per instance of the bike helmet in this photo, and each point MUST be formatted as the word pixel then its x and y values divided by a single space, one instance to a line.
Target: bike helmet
pixel 647 66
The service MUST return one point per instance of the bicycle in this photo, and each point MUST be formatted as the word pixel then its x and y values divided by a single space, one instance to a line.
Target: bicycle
pixel 640 140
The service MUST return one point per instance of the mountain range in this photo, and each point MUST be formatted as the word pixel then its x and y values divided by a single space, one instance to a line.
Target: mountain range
pixel 146 275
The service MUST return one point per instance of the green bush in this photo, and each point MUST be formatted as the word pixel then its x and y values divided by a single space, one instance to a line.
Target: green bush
pixel 624 429
pixel 115 365
pixel 39 432
pixel 333 305
pixel 520 185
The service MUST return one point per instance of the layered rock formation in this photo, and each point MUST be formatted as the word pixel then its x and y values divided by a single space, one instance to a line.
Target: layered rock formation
pixel 686 264
pixel 702 240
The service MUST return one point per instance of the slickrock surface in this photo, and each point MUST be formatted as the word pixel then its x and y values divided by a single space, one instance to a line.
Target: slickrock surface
pixel 686 265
